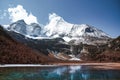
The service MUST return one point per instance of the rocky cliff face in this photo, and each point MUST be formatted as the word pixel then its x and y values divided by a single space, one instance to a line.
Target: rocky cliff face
pixel 112 52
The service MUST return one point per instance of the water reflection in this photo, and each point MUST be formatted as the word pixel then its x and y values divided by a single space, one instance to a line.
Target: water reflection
pixel 73 69
pixel 58 73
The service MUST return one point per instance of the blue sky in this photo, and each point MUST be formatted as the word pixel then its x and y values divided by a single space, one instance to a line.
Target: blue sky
pixel 103 14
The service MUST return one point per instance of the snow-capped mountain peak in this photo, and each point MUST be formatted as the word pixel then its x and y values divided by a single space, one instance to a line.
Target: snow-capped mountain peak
pixel 86 30
pixel 54 16
pixel 21 27
pixel 58 27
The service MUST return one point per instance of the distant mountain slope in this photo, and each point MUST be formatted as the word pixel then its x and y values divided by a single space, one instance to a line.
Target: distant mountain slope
pixel 112 52
pixel 14 52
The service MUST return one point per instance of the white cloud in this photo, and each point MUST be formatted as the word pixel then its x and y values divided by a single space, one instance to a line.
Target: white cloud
pixel 18 13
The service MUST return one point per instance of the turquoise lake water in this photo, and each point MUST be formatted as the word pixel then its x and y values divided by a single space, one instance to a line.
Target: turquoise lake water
pixel 58 73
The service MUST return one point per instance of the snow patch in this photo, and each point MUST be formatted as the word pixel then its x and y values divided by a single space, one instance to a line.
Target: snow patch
pixel 73 58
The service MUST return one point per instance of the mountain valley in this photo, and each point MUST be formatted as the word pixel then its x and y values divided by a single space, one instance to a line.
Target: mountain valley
pixel 58 41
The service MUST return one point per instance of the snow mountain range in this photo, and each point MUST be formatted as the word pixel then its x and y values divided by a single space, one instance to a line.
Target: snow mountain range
pixel 60 39
pixel 59 28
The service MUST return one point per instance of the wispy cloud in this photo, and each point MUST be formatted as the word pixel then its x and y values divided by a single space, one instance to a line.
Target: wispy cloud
pixel 18 13
pixel 3 14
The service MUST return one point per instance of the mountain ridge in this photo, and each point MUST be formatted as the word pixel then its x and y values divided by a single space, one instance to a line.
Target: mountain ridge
pixel 59 28
pixel 14 52
pixel 57 49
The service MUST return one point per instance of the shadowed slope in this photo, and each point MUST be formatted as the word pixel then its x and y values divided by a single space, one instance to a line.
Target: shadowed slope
pixel 17 53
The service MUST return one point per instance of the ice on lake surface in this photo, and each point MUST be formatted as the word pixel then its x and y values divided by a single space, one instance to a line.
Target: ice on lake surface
pixel 58 73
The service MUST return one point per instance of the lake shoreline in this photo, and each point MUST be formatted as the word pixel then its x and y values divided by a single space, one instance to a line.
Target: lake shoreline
pixel 95 65
pixel 109 65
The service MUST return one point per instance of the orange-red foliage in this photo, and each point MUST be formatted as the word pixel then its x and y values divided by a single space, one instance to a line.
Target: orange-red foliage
pixel 12 52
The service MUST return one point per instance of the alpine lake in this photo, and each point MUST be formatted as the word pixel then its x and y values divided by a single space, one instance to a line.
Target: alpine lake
pixel 81 72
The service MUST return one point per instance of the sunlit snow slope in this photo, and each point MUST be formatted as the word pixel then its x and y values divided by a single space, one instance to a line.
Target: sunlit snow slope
pixel 58 27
